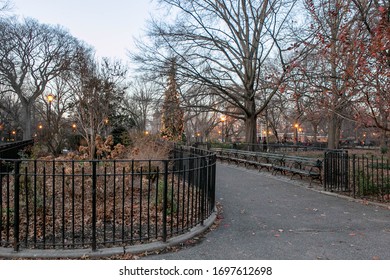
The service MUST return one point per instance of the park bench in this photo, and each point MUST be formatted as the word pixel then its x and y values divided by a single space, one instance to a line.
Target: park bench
pixel 268 160
pixel 229 155
pixel 248 158
pixel 302 166
pixel 294 165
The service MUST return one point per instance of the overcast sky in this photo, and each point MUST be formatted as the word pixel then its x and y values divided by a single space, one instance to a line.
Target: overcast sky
pixel 108 26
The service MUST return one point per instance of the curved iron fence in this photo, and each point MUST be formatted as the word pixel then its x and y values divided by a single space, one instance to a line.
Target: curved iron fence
pixel 53 204
pixel 360 176
pixel 12 149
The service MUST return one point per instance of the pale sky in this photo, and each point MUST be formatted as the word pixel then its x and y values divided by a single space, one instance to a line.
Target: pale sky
pixel 108 26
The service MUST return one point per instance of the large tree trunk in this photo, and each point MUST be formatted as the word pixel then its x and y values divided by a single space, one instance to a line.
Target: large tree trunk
pixel 251 131
pixel 26 126
pixel 334 130
pixel 315 132
pixel 251 124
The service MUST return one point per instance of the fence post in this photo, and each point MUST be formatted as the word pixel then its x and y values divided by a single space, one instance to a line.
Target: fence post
pixel 354 175
pixel 204 185
pixel 325 179
pixel 336 170
pixel 16 205
pixel 165 202
pixel 94 205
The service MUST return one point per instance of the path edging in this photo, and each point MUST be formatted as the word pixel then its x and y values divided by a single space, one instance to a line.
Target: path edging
pixel 9 253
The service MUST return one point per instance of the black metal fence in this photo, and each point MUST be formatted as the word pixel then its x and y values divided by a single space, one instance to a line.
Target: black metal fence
pixel 264 147
pixel 362 176
pixel 11 150
pixel 47 204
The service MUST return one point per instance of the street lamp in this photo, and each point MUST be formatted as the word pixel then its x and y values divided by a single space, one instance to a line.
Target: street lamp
pixel 299 133
pixel 223 119
pixel 106 121
pixel 296 133
pixel 50 99
pixel 40 128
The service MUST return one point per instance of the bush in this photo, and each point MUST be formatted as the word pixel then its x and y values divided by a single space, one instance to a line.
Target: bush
pixel 171 199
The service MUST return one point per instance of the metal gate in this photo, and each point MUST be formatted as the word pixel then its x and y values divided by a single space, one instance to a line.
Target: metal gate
pixel 336 170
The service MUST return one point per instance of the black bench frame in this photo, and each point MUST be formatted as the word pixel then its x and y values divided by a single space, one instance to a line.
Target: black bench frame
pixel 294 165
pixel 302 166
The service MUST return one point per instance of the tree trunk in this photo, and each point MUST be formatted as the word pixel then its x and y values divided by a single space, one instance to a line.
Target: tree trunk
pixel 331 131
pixel 251 131
pixel 315 133
pixel 334 131
pixel 26 121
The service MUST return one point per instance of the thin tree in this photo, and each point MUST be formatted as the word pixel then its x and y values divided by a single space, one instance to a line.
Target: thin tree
pixel 97 91
pixel 142 99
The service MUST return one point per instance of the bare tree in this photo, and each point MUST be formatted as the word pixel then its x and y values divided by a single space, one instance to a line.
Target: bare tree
pixel 373 75
pixel 31 55
pixel 232 48
pixel 53 124
pixel 5 6
pixel 143 97
pixel 97 91
pixel 331 67
pixel 9 114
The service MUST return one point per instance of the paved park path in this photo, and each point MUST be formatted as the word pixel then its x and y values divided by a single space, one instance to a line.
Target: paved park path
pixel 266 217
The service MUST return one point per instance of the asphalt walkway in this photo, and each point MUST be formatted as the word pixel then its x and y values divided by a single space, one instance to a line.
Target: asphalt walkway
pixel 267 217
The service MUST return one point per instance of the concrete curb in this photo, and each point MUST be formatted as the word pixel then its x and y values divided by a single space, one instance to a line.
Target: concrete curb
pixel 9 253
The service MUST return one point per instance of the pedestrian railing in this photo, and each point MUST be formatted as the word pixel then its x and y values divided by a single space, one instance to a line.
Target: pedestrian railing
pixel 360 176
pixel 12 149
pixel 68 204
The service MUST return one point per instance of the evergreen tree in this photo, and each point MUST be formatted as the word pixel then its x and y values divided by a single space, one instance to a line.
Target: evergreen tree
pixel 172 126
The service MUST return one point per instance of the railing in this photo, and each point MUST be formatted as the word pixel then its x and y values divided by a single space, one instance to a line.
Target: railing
pixel 369 177
pixel 11 150
pixel 53 204
pixel 359 176
pixel 270 147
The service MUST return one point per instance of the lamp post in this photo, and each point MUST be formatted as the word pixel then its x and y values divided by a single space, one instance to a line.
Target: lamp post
pixel 296 133
pixel 300 134
pixel 1 131
pixel 198 137
pixel 40 128
pixel 223 119
pixel 50 98
pixel 106 121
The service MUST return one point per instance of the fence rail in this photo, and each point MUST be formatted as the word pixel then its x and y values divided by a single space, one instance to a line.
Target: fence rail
pixel 11 150
pixel 369 177
pixel 47 204
pixel 360 176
